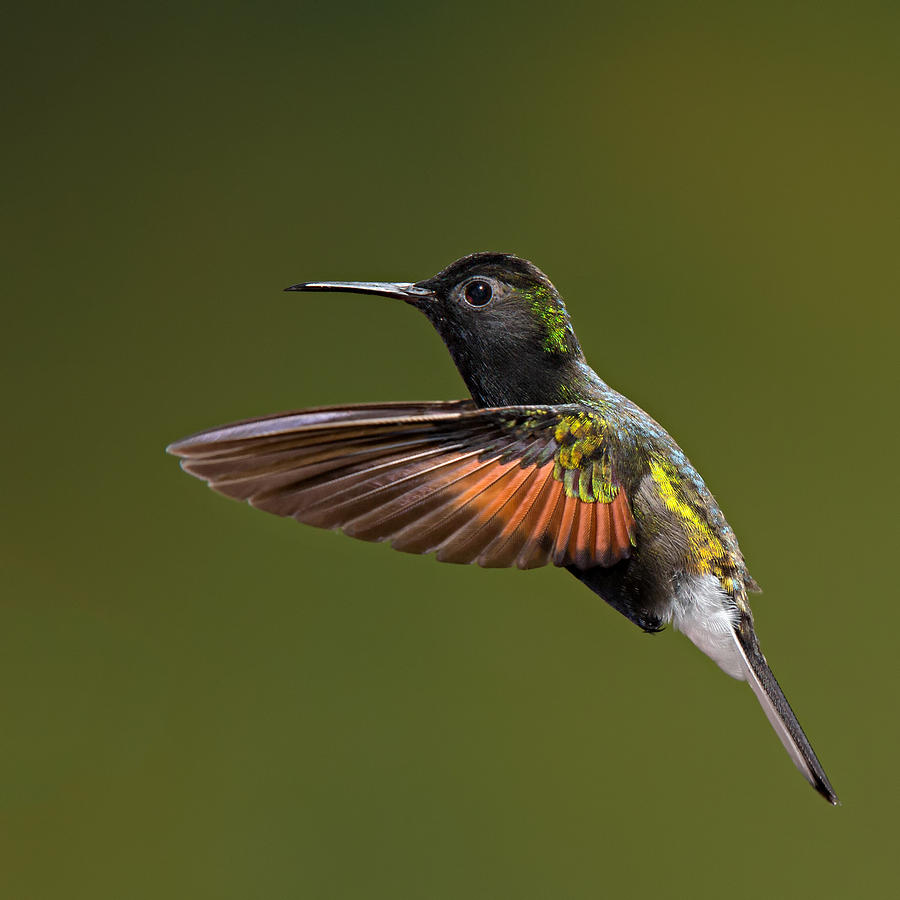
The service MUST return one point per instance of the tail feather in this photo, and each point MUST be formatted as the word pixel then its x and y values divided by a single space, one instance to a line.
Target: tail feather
pixel 779 713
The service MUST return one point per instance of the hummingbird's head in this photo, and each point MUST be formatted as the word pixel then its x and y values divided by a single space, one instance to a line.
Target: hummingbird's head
pixel 502 320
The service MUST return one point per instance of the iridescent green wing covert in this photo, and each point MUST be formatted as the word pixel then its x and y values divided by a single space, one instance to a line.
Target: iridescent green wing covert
pixel 508 486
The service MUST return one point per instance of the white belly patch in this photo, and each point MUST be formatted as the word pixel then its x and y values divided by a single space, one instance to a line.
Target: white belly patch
pixel 702 611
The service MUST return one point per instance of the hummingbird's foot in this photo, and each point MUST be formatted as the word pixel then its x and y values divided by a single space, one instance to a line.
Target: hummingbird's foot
pixel 648 622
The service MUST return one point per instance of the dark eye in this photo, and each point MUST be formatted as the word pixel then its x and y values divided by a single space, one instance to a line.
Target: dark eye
pixel 478 293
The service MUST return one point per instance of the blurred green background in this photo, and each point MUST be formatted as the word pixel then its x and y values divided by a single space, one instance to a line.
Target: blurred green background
pixel 200 700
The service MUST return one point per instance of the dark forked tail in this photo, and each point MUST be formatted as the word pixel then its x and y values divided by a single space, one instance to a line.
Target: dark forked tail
pixel 779 713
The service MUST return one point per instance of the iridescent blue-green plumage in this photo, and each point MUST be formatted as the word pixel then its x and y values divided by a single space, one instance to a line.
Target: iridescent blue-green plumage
pixel 545 464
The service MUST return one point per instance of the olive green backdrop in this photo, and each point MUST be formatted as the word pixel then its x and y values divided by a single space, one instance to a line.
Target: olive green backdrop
pixel 198 700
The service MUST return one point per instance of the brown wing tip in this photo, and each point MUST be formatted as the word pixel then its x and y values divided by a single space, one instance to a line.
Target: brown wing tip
pixel 176 448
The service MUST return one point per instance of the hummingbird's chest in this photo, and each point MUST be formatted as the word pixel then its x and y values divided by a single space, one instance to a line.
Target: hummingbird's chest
pixel 682 530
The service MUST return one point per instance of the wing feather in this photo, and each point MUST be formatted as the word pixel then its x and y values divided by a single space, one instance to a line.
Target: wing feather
pixel 503 550
pixel 499 487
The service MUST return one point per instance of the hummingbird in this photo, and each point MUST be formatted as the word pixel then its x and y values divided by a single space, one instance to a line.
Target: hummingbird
pixel 544 464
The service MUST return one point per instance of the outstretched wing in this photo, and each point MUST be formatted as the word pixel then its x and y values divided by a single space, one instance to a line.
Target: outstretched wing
pixel 522 486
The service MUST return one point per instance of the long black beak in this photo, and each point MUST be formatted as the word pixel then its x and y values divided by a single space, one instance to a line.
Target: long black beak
pixel 402 290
